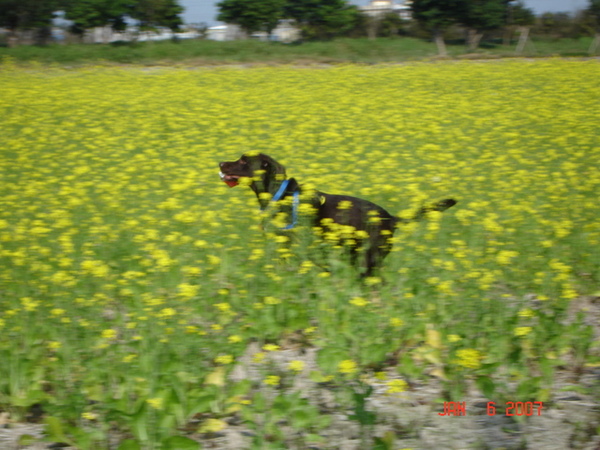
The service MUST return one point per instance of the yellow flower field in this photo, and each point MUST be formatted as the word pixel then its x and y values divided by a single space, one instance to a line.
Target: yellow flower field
pixel 132 277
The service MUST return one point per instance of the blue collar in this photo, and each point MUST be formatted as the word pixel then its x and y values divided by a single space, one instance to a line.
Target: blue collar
pixel 280 191
pixel 295 203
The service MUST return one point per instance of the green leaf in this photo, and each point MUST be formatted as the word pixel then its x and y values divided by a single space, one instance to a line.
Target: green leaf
pixel 139 424
pixel 314 438
pixel 317 376
pixel 203 404
pixel 281 404
pixel 25 440
pixel 129 444
pixel 323 421
pixel 180 443
pixel 241 388
pixel 486 385
pixel 528 390
pixel 55 431
pixel 329 359
pixel 300 419
pixel 259 402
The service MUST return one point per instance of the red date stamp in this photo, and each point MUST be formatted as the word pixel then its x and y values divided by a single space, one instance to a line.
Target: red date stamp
pixel 508 409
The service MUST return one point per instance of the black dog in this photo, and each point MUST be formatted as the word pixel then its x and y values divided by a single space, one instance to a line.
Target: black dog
pixel 372 224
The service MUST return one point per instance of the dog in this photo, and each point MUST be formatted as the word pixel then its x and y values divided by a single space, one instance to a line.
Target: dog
pixel 372 225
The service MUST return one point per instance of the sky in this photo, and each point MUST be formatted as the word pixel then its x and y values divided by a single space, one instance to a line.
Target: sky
pixel 197 11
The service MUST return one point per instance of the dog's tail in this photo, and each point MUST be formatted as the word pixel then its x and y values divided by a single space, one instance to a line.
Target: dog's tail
pixel 440 206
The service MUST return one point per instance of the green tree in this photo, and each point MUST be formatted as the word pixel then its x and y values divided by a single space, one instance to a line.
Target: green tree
pixel 436 16
pixel 156 13
pixel 391 24
pixel 86 14
pixel 386 24
pixel 252 15
pixel 22 15
pixel 593 11
pixel 557 25
pixel 322 19
pixel 522 18
pixel 478 16
pixel 520 15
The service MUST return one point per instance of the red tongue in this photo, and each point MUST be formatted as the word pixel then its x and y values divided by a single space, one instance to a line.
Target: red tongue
pixel 231 183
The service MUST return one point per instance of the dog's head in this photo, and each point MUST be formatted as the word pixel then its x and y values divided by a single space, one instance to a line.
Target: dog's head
pixel 266 173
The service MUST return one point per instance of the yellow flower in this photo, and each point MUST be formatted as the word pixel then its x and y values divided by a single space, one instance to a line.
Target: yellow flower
pixel 31 305
pixel 396 386
pixel 344 204
pixel 96 268
pixel 305 267
pixel 109 334
pixel 54 345
pixel 271 347
pixel 469 358
pixel 234 339
pixel 359 301
pixel 224 359
pixel 382 376
pixel 129 358
pixel 272 380
pixel 522 331
pixel 166 313
pixel 156 403
pixel 224 307
pixel 347 367
pixel 527 313
pixel 188 291
pixel 212 426
pixel 372 281
pixel 505 257
pixel 296 366
pixel 213 260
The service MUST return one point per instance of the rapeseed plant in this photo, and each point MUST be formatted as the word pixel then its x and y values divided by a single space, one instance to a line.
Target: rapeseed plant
pixel 120 244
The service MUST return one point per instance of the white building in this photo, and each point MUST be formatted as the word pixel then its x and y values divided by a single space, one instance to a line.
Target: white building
pixel 225 33
pixel 285 32
pixel 106 35
pixel 378 8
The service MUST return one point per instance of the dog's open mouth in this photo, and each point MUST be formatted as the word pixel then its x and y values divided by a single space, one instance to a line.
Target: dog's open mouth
pixel 231 180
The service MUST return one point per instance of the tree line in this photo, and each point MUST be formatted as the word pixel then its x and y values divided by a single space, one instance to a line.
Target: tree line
pixel 37 15
pixel 323 19
pixel 316 19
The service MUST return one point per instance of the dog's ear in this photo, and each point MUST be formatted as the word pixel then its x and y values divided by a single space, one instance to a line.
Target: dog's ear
pixel 272 167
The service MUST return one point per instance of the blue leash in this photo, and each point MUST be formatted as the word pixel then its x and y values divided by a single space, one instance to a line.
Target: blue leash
pixel 295 203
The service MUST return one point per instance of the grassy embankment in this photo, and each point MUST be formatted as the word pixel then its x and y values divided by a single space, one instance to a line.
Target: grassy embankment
pixel 200 52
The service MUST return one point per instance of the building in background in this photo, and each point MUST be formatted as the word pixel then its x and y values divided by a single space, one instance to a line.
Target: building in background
pixel 285 32
pixel 378 8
